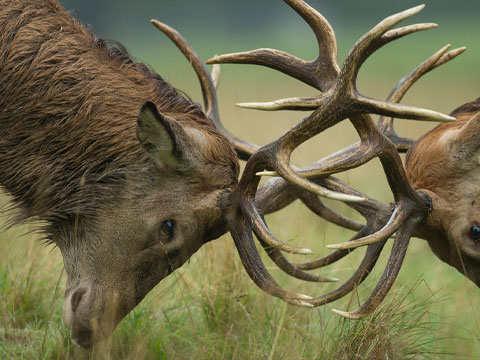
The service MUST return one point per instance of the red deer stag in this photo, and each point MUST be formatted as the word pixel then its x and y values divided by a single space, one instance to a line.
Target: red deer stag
pixel 132 178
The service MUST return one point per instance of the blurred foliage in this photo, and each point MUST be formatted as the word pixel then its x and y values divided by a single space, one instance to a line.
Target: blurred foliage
pixel 252 16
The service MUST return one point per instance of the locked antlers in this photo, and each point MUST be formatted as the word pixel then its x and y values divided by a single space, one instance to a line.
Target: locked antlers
pixel 338 100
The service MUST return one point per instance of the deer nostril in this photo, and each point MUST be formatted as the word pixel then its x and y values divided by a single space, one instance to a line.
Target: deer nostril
pixel 84 338
pixel 76 298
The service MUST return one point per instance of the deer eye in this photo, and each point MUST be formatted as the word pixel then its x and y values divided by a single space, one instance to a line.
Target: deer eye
pixel 474 232
pixel 167 229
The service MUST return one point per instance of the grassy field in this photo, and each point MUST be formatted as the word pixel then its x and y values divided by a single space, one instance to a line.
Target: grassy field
pixel 209 309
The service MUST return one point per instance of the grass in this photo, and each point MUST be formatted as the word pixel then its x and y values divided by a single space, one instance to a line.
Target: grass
pixel 209 309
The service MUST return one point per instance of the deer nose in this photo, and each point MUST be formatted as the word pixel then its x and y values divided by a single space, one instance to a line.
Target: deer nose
pixel 83 337
pixel 79 324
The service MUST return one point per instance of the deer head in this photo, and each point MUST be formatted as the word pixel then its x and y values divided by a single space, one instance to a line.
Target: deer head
pixel 444 163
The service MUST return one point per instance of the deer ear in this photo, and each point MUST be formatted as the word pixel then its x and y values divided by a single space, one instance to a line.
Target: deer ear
pixel 159 136
pixel 464 142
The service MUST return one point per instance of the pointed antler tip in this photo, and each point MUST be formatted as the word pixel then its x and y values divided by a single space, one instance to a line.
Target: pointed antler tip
pixel 255 106
pixel 303 297
pixel 336 246
pixel 214 60
pixel 345 197
pixel 267 173
pixel 305 304
pixel 349 315
pixel 305 251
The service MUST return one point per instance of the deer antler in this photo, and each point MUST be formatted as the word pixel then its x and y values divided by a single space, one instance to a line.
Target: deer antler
pixel 338 100
pixel 209 85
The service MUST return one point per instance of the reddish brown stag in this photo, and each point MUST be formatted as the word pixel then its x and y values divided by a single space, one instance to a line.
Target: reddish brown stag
pixel 130 177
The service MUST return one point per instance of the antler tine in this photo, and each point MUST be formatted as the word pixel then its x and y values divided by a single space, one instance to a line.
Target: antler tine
pixel 275 59
pixel 397 219
pixel 327 69
pixel 243 148
pixel 375 212
pixel 216 75
pixel 390 273
pixel 242 235
pixel 396 95
pixel 261 230
pixel 276 194
pixel 277 257
pixel 439 58
pixel 320 73
pixel 364 269
pixel 290 269
pixel 377 37
pixel 296 103
pixel 311 103
pixel 338 102
pixel 370 42
pixel 312 202
pixel 254 266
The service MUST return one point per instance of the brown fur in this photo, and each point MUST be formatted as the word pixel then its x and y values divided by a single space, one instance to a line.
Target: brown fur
pixel 445 164
pixel 68 108
pixel 81 151
pixel 430 162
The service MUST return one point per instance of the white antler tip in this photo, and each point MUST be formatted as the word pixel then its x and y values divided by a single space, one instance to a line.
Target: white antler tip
pixel 345 197
pixel 335 246
pixel 419 8
pixel 257 106
pixel 305 304
pixel 305 251
pixel 346 245
pixel 267 173
pixel 303 297
pixel 346 314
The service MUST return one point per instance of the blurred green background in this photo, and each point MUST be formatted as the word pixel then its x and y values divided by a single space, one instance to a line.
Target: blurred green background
pixel 210 306
pixel 216 27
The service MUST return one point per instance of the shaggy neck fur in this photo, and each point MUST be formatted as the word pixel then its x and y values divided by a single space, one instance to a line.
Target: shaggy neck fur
pixel 68 108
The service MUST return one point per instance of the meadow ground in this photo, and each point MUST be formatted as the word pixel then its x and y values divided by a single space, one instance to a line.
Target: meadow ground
pixel 210 309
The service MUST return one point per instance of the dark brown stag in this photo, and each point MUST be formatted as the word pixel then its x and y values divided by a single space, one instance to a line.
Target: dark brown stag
pixel 131 178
